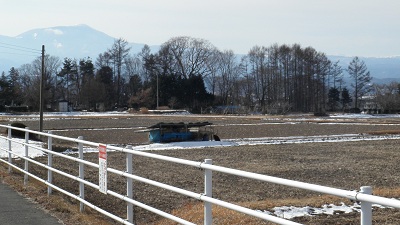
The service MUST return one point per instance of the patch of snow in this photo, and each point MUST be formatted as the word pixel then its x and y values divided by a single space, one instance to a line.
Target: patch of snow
pixel 287 212
pixel 290 212
pixel 57 44
pixel 54 31
pixel 18 148
pixel 85 150
pixel 363 116
pixel 167 146
pixel 61 115
pixel 184 145
pixel 311 139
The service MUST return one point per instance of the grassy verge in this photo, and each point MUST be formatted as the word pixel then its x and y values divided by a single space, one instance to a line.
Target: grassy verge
pixel 57 204
pixel 67 210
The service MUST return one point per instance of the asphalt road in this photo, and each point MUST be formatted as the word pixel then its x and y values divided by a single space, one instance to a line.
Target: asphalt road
pixel 15 209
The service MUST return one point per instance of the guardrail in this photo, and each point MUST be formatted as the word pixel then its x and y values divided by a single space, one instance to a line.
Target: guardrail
pixel 364 196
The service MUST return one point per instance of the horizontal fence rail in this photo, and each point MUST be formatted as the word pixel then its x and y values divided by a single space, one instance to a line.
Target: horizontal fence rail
pixel 364 196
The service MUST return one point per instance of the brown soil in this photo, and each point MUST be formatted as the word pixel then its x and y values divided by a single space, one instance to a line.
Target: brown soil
pixel 345 165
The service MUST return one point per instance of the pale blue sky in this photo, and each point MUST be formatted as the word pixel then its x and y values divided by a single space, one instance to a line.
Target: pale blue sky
pixel 339 27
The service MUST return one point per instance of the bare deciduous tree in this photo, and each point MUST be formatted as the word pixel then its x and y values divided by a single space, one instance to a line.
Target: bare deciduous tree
pixel 228 74
pixel 387 97
pixel 188 56
pixel 119 53
pixel 361 79
pixel 30 75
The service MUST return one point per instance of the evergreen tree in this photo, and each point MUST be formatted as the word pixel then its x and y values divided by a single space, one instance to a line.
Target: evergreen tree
pixel 88 93
pixel 86 70
pixel 333 98
pixel 346 99
pixel 66 79
pixel 15 87
pixel 398 89
pixel 134 85
pixel 105 91
pixel 10 89
pixel 195 94
pixel 169 86
pixel 5 90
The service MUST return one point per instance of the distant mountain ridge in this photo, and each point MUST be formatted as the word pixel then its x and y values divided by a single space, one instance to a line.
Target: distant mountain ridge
pixel 69 41
pixel 82 41
pixel 382 69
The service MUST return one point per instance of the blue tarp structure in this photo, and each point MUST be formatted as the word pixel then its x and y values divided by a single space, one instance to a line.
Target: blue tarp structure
pixel 172 132
pixel 155 136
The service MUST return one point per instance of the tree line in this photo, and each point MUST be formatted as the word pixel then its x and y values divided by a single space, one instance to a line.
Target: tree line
pixel 193 74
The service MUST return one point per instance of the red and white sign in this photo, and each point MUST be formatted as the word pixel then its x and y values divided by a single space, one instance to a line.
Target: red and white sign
pixel 103 168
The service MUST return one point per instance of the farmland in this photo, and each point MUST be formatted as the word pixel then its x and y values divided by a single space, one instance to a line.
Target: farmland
pixel 341 164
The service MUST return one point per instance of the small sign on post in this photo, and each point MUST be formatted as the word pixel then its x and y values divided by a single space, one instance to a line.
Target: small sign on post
pixel 103 168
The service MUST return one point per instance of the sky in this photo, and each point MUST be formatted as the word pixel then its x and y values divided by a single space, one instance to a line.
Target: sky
pixel 368 28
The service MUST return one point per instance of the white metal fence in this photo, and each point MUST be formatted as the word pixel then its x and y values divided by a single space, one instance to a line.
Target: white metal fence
pixel 364 196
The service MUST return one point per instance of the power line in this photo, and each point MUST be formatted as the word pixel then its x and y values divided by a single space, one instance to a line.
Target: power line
pixel 20 48
pixel 13 53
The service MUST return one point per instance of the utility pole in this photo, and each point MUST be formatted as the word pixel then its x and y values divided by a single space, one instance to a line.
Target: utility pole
pixel 157 91
pixel 41 93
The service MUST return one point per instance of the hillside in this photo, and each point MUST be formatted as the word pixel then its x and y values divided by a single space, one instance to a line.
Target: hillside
pixel 78 42
pixel 83 41
pixel 383 69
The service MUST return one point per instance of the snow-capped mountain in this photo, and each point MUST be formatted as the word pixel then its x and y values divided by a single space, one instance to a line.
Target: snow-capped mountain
pixel 80 41
pixel 68 41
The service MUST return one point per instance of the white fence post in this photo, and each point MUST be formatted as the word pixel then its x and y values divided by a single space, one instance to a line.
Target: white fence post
pixel 364 196
pixel 49 163
pixel 26 155
pixel 129 185
pixel 208 193
pixel 366 207
pixel 81 175
pixel 9 149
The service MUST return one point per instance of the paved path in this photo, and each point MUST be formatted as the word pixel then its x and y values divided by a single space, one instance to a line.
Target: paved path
pixel 17 210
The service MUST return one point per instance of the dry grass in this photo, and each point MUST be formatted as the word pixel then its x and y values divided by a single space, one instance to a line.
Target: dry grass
pixel 56 204
pixel 384 132
pixel 221 215
pixel 194 212
pixel 342 165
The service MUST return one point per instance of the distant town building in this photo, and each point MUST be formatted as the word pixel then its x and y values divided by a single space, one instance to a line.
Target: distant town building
pixel 63 106
pixel 369 105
